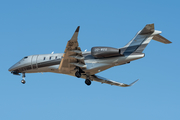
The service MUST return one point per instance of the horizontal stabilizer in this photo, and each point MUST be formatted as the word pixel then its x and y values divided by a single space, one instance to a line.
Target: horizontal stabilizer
pixel 161 39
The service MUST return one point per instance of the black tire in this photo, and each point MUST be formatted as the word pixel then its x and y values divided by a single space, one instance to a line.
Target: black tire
pixel 88 82
pixel 23 81
pixel 78 74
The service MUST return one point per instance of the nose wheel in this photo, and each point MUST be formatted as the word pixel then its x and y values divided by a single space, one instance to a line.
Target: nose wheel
pixel 23 80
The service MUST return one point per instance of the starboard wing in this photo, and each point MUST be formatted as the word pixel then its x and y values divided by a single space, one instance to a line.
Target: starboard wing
pixel 72 56
pixel 111 82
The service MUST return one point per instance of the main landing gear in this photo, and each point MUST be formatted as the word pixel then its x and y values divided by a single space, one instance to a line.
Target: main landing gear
pixel 88 81
pixel 23 80
pixel 78 72
pixel 78 75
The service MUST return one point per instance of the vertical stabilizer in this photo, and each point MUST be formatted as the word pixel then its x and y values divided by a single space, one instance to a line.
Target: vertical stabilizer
pixel 142 39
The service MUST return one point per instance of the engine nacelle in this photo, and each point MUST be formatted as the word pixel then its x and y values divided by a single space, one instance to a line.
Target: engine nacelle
pixel 104 52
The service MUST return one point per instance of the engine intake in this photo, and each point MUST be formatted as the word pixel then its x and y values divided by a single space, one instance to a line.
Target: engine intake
pixel 104 52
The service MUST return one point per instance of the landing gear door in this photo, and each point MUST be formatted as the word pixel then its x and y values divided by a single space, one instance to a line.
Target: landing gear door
pixel 34 62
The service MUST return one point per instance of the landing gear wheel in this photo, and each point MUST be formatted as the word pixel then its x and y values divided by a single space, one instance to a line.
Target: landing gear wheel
pixel 23 81
pixel 88 82
pixel 78 74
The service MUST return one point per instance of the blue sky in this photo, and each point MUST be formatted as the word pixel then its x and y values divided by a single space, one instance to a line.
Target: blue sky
pixel 41 26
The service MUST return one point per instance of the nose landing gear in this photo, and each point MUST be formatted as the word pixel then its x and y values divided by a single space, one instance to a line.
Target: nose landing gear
pixel 23 80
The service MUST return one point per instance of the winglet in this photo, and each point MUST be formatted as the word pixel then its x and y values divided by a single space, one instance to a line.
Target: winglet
pixel 75 35
pixel 133 82
pixel 126 85
pixel 77 29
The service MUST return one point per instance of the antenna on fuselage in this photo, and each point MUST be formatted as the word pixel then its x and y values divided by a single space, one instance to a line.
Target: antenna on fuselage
pixel 52 52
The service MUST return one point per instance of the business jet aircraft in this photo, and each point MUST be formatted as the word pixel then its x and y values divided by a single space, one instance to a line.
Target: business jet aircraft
pixel 85 64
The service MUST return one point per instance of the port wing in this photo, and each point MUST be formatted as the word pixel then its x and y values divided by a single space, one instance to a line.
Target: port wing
pixel 111 82
pixel 72 56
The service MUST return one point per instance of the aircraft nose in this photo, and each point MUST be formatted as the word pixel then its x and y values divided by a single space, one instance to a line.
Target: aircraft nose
pixel 11 68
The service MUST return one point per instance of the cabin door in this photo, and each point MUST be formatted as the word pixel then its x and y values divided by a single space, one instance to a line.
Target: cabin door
pixel 34 62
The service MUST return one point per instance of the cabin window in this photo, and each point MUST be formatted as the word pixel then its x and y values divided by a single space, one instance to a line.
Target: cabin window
pixel 56 57
pixel 44 58
pixel 49 58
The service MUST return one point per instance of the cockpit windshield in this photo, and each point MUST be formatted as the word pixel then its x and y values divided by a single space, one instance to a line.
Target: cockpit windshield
pixel 25 57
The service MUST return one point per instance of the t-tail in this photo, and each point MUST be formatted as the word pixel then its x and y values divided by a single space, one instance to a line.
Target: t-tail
pixel 142 39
